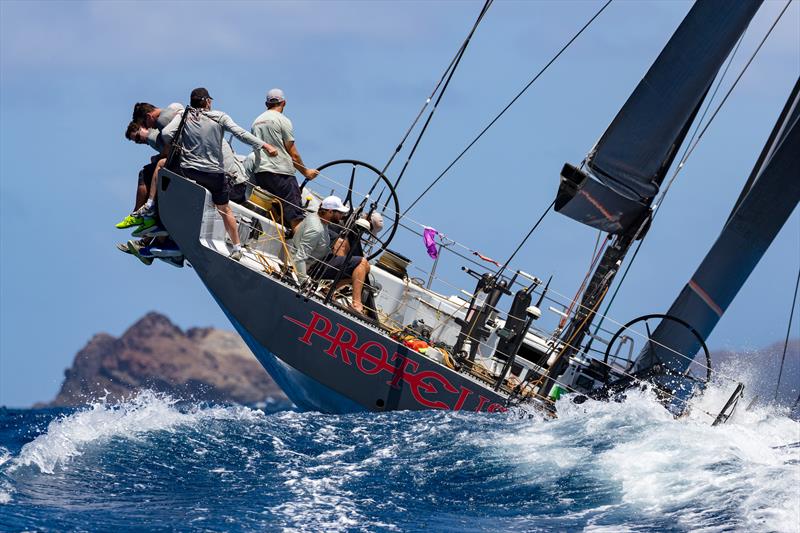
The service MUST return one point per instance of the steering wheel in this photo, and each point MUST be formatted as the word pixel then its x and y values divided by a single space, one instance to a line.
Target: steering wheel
pixel 352 179
pixel 646 318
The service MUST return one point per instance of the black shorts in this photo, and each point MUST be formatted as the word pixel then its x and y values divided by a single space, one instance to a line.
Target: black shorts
pixel 237 192
pixel 146 174
pixel 215 182
pixel 286 188
pixel 331 266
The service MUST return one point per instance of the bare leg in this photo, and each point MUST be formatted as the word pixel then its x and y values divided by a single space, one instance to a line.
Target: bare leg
pixel 230 222
pixel 359 275
pixel 154 179
pixel 141 196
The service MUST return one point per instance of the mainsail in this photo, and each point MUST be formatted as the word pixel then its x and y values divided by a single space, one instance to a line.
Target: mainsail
pixel 767 201
pixel 626 167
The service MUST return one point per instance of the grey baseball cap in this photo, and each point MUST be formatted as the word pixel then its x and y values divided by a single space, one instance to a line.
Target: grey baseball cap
pixel 275 96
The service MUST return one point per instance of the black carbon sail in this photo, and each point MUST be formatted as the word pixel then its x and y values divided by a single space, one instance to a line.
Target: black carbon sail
pixel 614 189
pixel 626 167
pixel 770 196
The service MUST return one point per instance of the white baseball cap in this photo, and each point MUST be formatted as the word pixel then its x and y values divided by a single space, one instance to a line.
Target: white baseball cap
pixel 334 203
pixel 275 96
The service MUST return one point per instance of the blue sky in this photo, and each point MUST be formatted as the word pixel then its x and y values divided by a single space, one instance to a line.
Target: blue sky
pixel 355 74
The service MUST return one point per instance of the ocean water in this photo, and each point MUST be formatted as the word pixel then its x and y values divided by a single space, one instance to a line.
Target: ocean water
pixel 156 464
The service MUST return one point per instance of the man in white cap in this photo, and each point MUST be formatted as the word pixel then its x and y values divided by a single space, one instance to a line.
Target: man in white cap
pixel 311 245
pixel 276 174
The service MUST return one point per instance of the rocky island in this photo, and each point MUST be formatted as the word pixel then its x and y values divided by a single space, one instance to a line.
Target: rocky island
pixel 204 364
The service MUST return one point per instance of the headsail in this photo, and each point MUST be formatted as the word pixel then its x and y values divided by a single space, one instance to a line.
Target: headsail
pixel 629 162
pixel 769 198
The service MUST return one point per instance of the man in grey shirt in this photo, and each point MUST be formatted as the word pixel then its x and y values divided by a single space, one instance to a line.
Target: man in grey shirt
pixel 151 120
pixel 276 174
pixel 314 255
pixel 202 157
pixel 151 116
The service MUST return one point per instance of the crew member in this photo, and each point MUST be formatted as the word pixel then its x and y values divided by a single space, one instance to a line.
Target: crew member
pixel 154 117
pixel 145 128
pixel 276 174
pixel 313 252
pixel 202 156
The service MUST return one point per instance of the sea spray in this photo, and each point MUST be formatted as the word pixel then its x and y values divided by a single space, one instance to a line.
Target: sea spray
pixel 145 413
pixel 600 466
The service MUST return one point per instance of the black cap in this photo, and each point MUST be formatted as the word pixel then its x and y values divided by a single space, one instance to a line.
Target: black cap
pixel 201 93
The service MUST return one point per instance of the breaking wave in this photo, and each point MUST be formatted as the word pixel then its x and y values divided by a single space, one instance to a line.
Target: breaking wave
pixel 600 467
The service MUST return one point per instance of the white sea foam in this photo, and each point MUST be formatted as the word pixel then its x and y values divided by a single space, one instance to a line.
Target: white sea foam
pixel 683 469
pixel 5 493
pixel 67 437
pixel 5 487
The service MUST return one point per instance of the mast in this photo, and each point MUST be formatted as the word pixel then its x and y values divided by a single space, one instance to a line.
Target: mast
pixel 615 187
pixel 768 199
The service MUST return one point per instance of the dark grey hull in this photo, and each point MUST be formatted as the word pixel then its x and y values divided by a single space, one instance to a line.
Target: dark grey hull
pixel 324 360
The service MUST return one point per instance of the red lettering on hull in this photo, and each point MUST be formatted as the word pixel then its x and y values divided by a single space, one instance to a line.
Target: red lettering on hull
pixel 428 387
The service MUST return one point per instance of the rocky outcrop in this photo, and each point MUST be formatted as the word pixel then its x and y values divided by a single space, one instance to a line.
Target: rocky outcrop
pixel 203 364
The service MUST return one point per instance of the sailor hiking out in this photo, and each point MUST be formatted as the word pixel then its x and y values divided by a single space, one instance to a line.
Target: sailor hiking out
pixel 202 153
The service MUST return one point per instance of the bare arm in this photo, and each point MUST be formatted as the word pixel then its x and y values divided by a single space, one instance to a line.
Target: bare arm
pixel 309 173
pixel 341 247
pixel 246 137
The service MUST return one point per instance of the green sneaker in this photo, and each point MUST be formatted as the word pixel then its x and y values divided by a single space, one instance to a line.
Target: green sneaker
pixel 145 225
pixel 129 221
pixel 134 247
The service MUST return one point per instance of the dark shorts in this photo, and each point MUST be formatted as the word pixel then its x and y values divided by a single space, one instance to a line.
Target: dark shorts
pixel 332 265
pixel 215 182
pixel 146 174
pixel 286 188
pixel 237 192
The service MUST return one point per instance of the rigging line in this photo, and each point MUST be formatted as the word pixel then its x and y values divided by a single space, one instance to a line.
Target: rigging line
pixel 453 66
pixel 664 346
pixel 548 298
pixel 738 78
pixel 595 257
pixel 435 89
pixel 788 331
pixel 502 112
pixel 521 244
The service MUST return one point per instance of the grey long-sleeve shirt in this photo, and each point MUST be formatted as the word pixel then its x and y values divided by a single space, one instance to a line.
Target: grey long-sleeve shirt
pixel 235 165
pixel 202 138
pixel 310 242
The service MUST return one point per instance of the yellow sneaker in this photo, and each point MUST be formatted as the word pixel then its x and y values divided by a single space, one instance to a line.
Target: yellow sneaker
pixel 129 221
